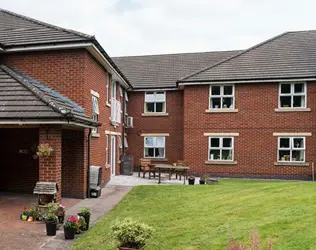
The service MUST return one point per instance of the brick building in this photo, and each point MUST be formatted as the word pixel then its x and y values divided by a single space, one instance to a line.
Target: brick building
pixel 240 114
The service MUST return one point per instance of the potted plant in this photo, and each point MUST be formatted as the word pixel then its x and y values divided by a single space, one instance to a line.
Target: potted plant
pixel 191 180
pixel 82 224
pixel 24 215
pixel 85 213
pixel 44 150
pixel 71 226
pixel 51 224
pixel 130 234
pixel 60 213
pixel 203 180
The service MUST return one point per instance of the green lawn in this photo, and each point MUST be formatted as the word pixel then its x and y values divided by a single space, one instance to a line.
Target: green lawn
pixel 198 217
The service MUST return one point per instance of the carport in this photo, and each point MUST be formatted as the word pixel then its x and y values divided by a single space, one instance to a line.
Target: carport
pixel 32 114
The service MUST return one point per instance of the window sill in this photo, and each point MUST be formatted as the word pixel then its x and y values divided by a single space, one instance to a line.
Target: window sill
pixel 95 135
pixel 107 166
pixel 108 104
pixel 155 114
pixel 294 164
pixel 157 159
pixel 292 110
pixel 221 162
pixel 221 110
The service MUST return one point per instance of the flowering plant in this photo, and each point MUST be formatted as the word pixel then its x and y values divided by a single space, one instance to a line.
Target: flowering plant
pixel 72 222
pixel 44 150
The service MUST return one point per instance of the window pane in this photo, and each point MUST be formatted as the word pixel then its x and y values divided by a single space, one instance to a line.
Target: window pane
pixel 227 155
pixel 228 102
pixel 298 143
pixel 150 107
pixel 227 142
pixel 159 152
pixel 149 97
pixel 284 155
pixel 160 97
pixel 216 103
pixel 215 154
pixel 160 142
pixel 299 88
pixel 298 101
pixel 285 88
pixel 159 107
pixel 149 142
pixel 216 90
pixel 285 101
pixel 149 152
pixel 214 142
pixel 228 90
pixel 284 142
pixel 298 155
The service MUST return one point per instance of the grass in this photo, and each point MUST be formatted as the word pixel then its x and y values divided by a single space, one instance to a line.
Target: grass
pixel 198 217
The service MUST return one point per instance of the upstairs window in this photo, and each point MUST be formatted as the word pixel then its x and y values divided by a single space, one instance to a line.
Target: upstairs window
pixel 155 102
pixel 292 95
pixel 221 148
pixel 154 147
pixel 291 149
pixel 113 90
pixel 95 111
pixel 222 97
pixel 108 82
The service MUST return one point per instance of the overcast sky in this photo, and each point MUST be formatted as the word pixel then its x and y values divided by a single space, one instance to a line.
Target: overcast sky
pixel 137 27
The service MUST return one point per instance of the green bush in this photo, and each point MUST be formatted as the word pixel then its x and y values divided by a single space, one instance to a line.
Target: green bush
pixel 131 233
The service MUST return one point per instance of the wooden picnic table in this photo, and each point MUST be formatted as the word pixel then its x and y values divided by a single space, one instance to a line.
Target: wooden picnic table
pixel 172 170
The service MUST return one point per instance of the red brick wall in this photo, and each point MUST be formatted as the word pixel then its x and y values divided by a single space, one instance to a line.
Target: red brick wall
pixel 19 171
pixel 172 124
pixel 256 121
pixel 74 167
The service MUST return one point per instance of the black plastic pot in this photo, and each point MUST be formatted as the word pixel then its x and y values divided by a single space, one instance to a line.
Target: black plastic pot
pixel 191 181
pixel 51 228
pixel 69 233
pixel 202 182
pixel 87 220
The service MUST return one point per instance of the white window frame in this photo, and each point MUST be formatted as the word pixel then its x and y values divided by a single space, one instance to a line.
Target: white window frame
pixel 113 89
pixel 106 149
pixel 220 148
pixel 108 82
pixel 95 104
pixel 126 143
pixel 291 148
pixel 221 96
pixel 292 94
pixel 154 147
pixel 164 106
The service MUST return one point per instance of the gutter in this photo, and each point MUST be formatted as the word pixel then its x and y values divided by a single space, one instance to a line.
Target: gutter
pixel 22 121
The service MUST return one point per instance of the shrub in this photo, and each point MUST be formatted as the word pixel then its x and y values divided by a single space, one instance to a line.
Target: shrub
pixel 85 211
pixel 131 233
pixel 254 243
pixel 50 217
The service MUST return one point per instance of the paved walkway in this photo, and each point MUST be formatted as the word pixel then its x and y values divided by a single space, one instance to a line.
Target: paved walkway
pixel 111 195
pixel 134 180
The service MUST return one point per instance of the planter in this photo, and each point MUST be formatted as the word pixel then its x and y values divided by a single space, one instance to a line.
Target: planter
pixel 128 248
pixel 87 219
pixel 202 182
pixel 24 217
pixel 191 181
pixel 69 233
pixel 51 228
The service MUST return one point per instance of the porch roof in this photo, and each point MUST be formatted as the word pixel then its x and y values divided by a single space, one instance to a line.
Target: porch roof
pixel 24 98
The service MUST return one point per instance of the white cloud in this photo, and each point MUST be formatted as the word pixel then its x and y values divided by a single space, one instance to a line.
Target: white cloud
pixel 132 27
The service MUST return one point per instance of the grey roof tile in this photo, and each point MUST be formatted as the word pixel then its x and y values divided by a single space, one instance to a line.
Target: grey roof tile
pixel 24 97
pixel 42 187
pixel 162 71
pixel 289 55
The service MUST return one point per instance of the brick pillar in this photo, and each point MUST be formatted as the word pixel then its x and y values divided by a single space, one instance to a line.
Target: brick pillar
pixel 50 167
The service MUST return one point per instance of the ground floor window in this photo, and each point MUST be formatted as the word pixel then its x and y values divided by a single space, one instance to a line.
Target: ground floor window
pixel 221 148
pixel 154 147
pixel 291 149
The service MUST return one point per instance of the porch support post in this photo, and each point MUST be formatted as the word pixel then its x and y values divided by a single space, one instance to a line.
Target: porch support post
pixel 50 167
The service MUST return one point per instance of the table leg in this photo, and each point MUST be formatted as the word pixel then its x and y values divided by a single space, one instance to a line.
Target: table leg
pixel 159 176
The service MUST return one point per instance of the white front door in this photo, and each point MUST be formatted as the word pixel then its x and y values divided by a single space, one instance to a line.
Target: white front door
pixel 113 155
